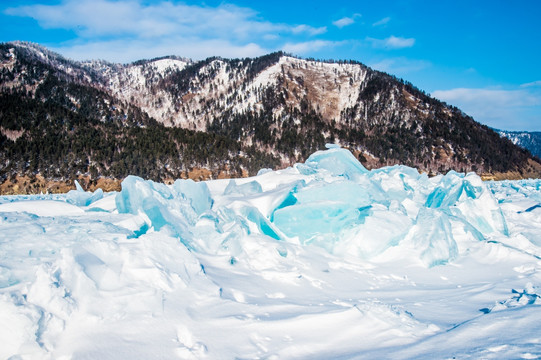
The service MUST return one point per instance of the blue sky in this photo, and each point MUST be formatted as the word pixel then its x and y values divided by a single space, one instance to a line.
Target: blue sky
pixel 482 56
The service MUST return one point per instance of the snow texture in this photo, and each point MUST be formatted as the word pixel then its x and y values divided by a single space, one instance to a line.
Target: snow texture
pixel 321 260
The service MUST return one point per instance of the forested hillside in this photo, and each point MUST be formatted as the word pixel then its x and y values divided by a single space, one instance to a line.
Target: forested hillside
pixel 171 117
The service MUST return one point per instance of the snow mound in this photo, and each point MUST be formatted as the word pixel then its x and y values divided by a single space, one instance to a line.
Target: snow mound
pixel 42 208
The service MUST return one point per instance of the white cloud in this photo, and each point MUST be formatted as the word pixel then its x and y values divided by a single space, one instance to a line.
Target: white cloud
pixel 271 37
pixel 91 18
pixel 531 84
pixel 490 97
pixel 382 22
pixel 302 48
pixel 345 21
pixel 398 42
pixel 309 30
pixel 399 66
pixel 392 42
pixel 127 30
pixel 127 51
pixel 516 109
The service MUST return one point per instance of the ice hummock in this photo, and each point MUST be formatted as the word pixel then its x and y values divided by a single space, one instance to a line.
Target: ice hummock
pixel 335 204
pixel 346 208
pixel 249 188
pixel 80 197
pixel 196 193
pixel 337 161
pixel 159 206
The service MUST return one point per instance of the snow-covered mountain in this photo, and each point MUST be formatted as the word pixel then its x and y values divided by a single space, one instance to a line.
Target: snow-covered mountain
pixel 529 140
pixel 236 115
pixel 215 87
pixel 134 82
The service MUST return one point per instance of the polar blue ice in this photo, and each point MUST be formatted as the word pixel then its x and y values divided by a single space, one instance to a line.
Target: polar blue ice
pixel 321 260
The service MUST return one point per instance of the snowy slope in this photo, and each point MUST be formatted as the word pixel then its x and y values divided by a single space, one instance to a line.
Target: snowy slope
pixel 133 83
pixel 335 87
pixel 321 260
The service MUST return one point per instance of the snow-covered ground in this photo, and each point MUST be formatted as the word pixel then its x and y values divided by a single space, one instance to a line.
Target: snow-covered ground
pixel 324 260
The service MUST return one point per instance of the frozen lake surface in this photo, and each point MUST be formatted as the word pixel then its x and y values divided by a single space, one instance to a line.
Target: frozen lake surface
pixel 322 260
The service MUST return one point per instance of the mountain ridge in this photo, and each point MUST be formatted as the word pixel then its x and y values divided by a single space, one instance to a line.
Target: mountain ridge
pixel 529 140
pixel 270 111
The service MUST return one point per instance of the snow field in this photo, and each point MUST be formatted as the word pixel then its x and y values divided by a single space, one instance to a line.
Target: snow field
pixel 321 260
